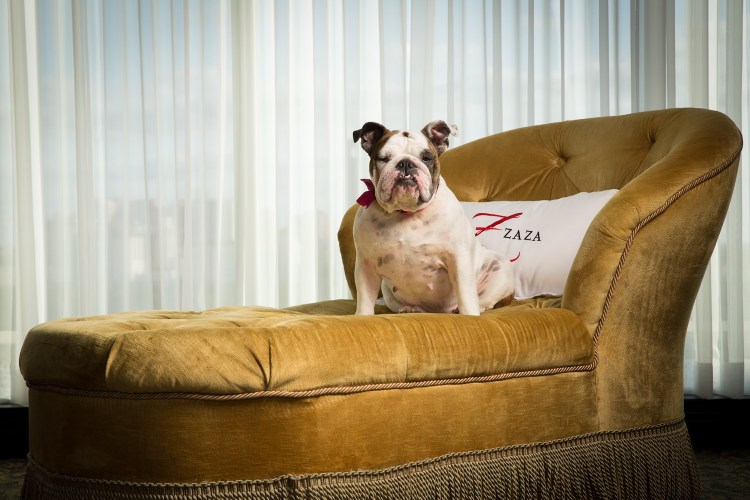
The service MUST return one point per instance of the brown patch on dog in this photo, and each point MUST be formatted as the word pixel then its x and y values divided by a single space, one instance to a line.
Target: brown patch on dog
pixel 376 149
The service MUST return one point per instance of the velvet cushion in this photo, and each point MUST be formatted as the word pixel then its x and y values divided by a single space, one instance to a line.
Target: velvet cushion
pixel 235 350
pixel 253 393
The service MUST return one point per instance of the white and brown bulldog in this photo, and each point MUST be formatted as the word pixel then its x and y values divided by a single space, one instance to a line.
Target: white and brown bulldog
pixel 411 235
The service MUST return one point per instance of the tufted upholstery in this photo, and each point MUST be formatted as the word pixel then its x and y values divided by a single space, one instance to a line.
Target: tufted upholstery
pixel 158 351
pixel 579 395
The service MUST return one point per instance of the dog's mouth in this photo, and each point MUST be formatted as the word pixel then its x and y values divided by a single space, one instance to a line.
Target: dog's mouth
pixel 406 179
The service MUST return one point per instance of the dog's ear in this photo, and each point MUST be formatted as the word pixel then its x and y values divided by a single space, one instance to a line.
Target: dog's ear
pixel 437 132
pixel 370 133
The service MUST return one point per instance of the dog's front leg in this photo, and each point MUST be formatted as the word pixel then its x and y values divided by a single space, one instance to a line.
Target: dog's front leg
pixel 464 283
pixel 367 282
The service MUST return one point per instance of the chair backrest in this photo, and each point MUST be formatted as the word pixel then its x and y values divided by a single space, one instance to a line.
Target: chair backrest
pixel 561 159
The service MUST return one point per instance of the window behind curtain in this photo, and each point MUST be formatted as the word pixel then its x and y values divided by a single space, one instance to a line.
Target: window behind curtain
pixel 192 154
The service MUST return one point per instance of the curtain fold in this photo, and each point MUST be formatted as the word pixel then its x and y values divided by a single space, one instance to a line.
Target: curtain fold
pixel 188 154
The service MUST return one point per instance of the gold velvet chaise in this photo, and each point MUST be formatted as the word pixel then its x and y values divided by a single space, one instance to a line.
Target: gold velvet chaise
pixel 575 396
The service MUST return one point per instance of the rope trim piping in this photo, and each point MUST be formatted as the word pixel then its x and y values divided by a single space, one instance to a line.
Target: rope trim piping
pixel 672 428
pixel 311 393
pixel 628 244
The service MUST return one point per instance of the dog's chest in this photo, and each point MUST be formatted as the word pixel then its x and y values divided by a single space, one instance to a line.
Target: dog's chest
pixel 408 250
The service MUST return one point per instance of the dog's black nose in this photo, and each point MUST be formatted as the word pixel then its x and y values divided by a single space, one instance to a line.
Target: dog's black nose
pixel 403 166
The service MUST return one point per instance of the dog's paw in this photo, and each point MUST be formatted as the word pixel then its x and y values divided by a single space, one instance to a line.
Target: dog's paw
pixel 411 309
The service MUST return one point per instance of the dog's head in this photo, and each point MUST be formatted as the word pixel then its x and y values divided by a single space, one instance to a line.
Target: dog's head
pixel 404 166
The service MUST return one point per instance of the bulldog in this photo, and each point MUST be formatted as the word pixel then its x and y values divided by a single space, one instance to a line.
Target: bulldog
pixel 411 236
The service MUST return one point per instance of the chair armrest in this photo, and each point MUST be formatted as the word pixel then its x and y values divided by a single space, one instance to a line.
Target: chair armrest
pixel 690 159
pixel 641 263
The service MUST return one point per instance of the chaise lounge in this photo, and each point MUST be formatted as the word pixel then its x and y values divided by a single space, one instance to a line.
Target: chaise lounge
pixel 578 395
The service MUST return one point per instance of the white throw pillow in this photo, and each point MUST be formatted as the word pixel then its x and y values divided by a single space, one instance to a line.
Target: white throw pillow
pixel 541 238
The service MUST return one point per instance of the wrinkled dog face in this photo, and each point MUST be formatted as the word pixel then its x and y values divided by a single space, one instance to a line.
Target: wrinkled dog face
pixel 404 166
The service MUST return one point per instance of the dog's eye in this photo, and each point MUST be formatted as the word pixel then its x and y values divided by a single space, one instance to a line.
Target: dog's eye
pixel 383 159
pixel 427 158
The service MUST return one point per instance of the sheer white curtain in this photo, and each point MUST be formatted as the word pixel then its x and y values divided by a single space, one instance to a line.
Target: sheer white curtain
pixel 190 154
